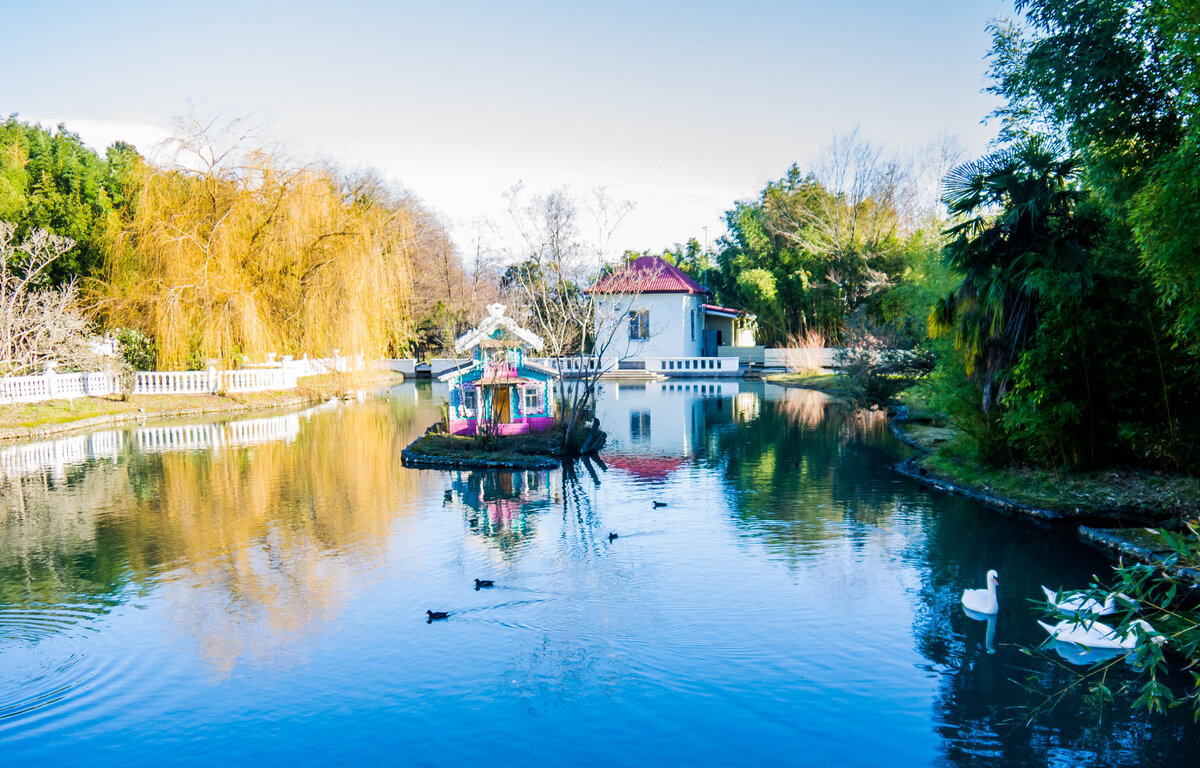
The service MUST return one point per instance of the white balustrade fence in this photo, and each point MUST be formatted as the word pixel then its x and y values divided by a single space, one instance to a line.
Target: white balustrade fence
pixel 574 366
pixel 174 382
pixel 694 366
pixel 52 385
pixel 666 366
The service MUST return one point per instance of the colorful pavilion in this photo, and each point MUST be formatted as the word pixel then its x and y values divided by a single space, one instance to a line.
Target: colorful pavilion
pixel 501 389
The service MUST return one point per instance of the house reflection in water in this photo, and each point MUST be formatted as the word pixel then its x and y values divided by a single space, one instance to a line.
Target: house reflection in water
pixel 654 428
pixel 501 506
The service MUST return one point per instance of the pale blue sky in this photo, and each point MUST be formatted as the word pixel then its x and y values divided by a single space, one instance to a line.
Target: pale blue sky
pixel 681 107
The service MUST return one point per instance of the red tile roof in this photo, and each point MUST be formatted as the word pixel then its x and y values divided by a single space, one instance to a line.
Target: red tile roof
pixel 648 274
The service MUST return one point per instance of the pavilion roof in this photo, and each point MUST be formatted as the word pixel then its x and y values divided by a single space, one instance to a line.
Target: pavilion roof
pixel 496 320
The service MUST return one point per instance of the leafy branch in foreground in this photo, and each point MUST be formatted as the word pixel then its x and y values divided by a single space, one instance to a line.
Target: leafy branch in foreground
pixel 1163 595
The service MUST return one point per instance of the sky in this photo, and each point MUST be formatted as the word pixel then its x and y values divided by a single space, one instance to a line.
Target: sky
pixel 680 107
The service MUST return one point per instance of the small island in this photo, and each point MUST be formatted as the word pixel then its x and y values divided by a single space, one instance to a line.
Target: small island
pixel 502 407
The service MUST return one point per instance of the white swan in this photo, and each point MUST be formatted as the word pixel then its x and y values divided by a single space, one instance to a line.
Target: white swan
pixel 983 600
pixel 1097 635
pixel 1078 602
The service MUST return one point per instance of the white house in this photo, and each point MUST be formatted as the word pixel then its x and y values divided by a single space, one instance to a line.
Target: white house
pixel 665 314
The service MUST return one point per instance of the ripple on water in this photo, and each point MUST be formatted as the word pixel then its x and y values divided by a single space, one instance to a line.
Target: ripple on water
pixel 60 670
pixel 42 647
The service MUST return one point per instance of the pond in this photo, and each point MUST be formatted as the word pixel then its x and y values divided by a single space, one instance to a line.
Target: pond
pixel 254 590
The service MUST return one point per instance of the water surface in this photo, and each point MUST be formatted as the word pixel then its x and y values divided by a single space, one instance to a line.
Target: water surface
pixel 254 591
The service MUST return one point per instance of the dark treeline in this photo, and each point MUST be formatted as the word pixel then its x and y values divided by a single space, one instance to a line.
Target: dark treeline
pixel 53 181
pixel 1077 310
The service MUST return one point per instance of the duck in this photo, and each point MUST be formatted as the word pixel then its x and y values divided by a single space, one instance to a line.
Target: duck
pixel 658 504
pixel 1097 635
pixel 983 600
pixel 1077 602
pixel 612 536
pixel 483 583
pixel 437 615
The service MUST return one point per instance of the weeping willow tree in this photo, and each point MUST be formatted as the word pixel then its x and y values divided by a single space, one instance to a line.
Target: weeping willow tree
pixel 229 255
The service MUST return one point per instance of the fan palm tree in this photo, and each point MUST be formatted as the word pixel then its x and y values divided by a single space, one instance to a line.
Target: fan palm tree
pixel 1014 235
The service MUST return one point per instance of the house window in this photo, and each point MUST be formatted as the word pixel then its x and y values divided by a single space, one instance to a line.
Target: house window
pixel 470 401
pixel 639 324
pixel 533 400
pixel 639 426
pixel 692 324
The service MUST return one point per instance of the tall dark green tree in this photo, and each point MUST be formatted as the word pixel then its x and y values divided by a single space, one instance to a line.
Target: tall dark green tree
pixel 1017 230
pixel 1120 80
pixel 53 181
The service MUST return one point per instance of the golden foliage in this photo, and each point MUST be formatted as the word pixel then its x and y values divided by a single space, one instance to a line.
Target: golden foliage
pixel 251 546
pixel 245 256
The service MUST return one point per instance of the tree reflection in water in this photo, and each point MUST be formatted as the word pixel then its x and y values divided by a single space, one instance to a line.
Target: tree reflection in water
pixel 809 474
pixel 789 565
pixel 796 471
pixel 253 543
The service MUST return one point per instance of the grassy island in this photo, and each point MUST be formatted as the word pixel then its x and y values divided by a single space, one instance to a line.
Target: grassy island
pixel 537 450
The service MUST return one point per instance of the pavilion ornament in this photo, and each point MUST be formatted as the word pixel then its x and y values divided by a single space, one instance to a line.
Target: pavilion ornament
pixel 495 320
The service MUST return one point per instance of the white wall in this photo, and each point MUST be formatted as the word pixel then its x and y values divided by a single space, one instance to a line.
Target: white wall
pixel 670 333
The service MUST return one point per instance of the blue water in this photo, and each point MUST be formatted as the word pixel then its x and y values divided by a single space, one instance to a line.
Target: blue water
pixel 253 591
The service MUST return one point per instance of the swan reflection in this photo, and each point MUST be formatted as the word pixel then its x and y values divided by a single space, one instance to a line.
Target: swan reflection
pixel 989 638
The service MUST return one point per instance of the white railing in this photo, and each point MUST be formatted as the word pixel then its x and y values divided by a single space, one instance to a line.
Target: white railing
pixel 666 366
pixel 52 385
pixel 573 366
pixel 175 382
pixel 258 381
pixel 693 366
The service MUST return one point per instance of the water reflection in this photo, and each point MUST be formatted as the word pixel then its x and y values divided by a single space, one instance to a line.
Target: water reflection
pixel 787 589
pixel 501 507
pixel 989 619
pixel 251 527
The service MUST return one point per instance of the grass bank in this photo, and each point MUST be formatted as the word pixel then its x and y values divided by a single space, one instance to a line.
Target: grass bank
pixel 26 420
pixel 1130 494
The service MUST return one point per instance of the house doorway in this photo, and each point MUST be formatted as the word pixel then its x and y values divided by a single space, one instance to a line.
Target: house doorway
pixel 502 402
